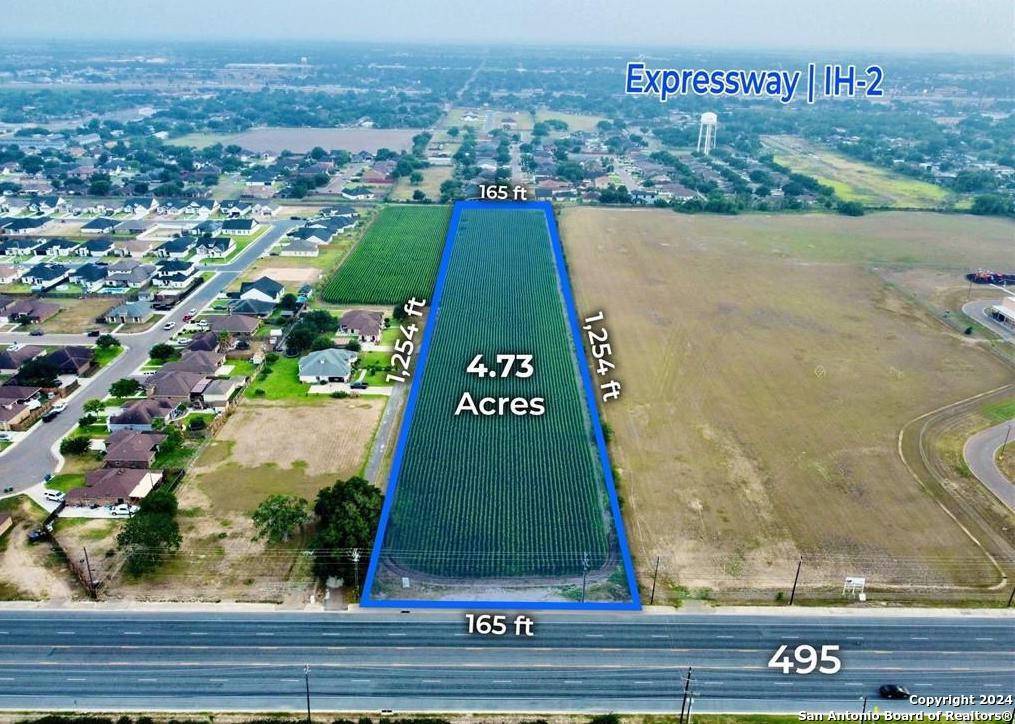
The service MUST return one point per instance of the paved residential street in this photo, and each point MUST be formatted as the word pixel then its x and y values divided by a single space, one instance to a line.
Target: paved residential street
pixel 228 660
pixel 25 464
pixel 980 451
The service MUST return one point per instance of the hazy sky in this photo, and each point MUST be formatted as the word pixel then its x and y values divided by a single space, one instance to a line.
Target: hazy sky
pixel 979 26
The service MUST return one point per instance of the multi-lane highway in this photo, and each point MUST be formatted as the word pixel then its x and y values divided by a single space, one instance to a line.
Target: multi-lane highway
pixel 30 459
pixel 428 662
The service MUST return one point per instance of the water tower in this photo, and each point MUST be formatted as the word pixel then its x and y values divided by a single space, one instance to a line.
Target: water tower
pixel 706 132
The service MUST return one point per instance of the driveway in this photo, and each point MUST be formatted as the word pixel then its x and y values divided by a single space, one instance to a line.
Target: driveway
pixel 977 311
pixel 25 463
pixel 980 452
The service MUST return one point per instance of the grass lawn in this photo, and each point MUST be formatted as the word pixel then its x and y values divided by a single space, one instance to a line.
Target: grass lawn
pixel 382 360
pixel 241 367
pixel 1001 411
pixel 105 355
pixel 282 383
pixel 178 458
pixel 574 121
pixel 66 481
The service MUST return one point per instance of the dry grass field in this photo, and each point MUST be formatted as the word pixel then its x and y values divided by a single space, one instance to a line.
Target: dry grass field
pixel 78 315
pixel 767 371
pixel 854 180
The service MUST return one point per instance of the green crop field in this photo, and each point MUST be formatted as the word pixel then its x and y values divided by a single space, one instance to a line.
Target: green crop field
pixel 510 495
pixel 396 258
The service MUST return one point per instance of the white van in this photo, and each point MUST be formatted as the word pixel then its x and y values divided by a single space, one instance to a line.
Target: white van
pixel 54 496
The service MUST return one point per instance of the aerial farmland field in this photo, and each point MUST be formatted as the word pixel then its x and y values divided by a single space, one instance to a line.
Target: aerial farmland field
pixel 518 498
pixel 768 370
pixel 396 259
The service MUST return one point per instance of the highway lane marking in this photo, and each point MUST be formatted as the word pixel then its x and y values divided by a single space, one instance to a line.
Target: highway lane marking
pixel 6 678
pixel 64 633
pixel 330 633
pixel 359 681
pixel 572 681
pixel 985 638
pixel 76 678
pixel 131 633
pixel 394 633
pixel 219 681
pixel 919 638
pixel 660 636
pixel 501 681
pixel 642 683
pixel 595 636
pixel 264 633
pixel 148 680
pixel 724 637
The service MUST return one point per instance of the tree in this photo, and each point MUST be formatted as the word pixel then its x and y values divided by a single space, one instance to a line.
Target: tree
pixel 288 302
pixel 161 352
pixel 124 387
pixel 415 178
pixel 322 341
pixel 849 208
pixel 75 445
pixel 149 536
pixel 418 196
pixel 348 514
pixel 107 340
pixel 278 516
pixel 38 373
pixel 991 205
pixel 93 406
pixel 353 345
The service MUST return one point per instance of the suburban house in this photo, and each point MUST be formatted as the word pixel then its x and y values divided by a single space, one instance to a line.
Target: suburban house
pixel 114 486
pixel 99 225
pixel 129 313
pixel 200 362
pixel 204 342
pixel 135 248
pixel 11 360
pixel 132 449
pixel 16 405
pixel 251 307
pixel 15 227
pixel 239 227
pixel 217 392
pixel 10 274
pixel 90 277
pixel 174 273
pixel 327 365
pixel 235 208
pixel 56 247
pixel 366 325
pixel 139 205
pixel 314 234
pixel 215 247
pixel 29 311
pixel 264 289
pixel 238 325
pixel 45 275
pixel 139 415
pixel 20 247
pixel 129 274
pixel 96 247
pixel 46 204
pixel 173 386
pixel 357 193
pixel 177 248
pixel 300 248
pixel 72 360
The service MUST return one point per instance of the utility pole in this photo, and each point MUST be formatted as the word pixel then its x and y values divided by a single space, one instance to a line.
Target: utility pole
pixel 306 677
pixel 652 598
pixel 864 710
pixel 1007 434
pixel 88 567
pixel 796 578
pixel 687 686
pixel 1011 597
pixel 355 568
pixel 585 571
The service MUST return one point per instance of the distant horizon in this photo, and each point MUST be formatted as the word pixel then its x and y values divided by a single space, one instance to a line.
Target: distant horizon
pixel 646 49
pixel 882 26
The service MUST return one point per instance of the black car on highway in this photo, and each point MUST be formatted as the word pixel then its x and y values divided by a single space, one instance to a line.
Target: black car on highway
pixel 894 691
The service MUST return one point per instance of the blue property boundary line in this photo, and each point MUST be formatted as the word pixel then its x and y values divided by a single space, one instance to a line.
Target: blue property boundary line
pixel 414 390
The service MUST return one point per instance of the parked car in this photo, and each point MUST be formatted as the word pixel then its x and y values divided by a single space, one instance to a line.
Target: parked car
pixel 50 416
pixel 358 386
pixel 37 332
pixel 14 346
pixel 894 691
pixel 168 325
pixel 38 535
pixel 94 332
pixel 6 437
pixel 54 496
pixel 122 510
pixel 59 406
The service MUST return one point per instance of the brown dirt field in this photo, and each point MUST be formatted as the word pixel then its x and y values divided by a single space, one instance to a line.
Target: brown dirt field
pixel 767 372
pixel 32 571
pixel 280 447
pixel 78 315
pixel 301 275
